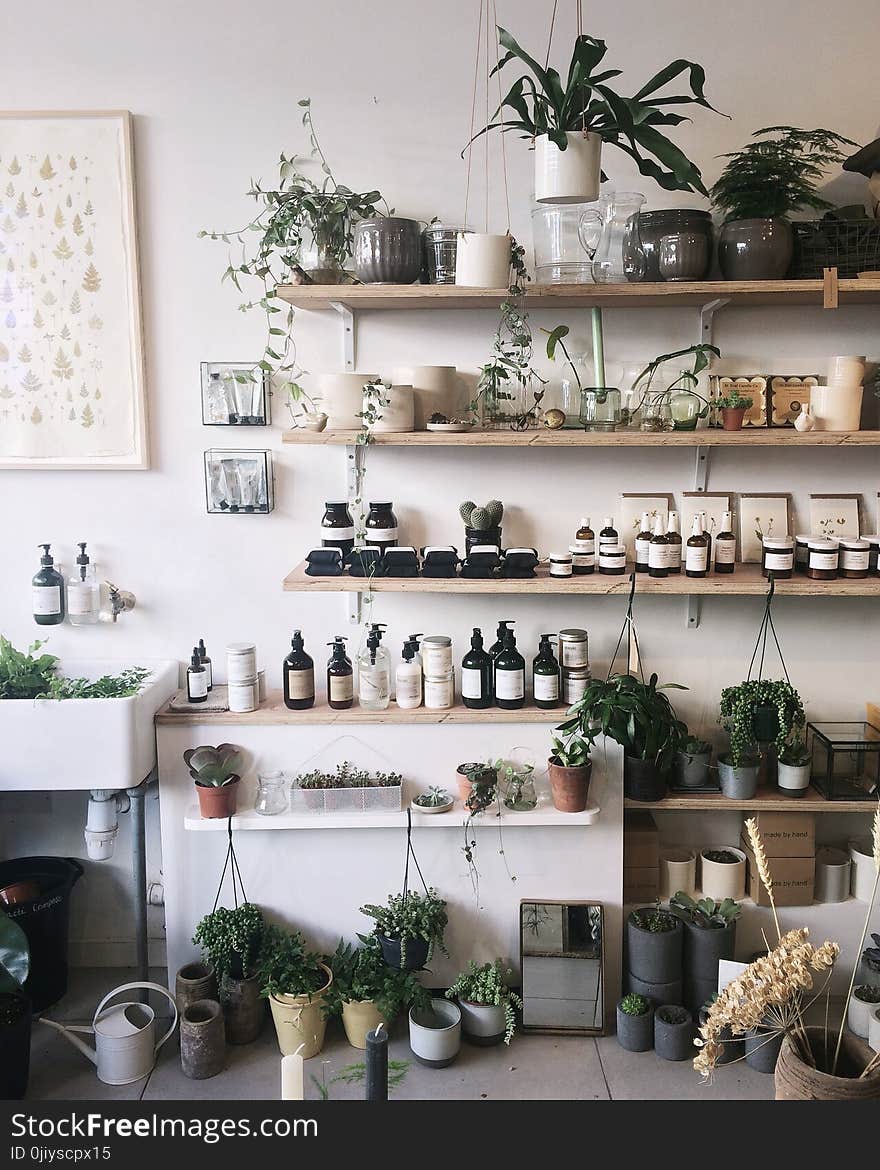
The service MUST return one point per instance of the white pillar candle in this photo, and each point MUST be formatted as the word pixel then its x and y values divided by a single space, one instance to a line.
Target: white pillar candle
pixel 292 1077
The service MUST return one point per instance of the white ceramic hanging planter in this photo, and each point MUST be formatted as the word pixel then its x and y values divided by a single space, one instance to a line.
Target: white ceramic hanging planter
pixel 482 260
pixel 571 175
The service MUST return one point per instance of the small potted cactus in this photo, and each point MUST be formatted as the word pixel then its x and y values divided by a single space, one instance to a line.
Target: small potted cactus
pixel 481 525
pixel 635 1023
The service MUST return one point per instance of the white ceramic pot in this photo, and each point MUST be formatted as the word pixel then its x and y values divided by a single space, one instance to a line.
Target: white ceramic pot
pixel 874 1029
pixel 678 871
pixel 482 261
pixel 862 872
pixel 837 407
pixel 436 389
pixel 832 875
pixel 435 1033
pixel 858 1016
pixel 720 880
pixel 397 417
pixel 482 1023
pixel 793 777
pixel 846 368
pixel 570 175
pixel 342 396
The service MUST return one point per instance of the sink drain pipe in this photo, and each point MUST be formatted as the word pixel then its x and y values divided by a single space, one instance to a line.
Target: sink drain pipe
pixel 102 822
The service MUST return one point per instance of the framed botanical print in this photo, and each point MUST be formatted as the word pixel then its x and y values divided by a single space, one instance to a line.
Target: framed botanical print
pixel 631 508
pixel 71 348
pixel 834 515
pixel 760 515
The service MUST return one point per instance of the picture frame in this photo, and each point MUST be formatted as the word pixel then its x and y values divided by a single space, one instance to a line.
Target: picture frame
pixel 762 514
pixel 632 504
pixel 72 386
pixel 714 504
pixel 835 514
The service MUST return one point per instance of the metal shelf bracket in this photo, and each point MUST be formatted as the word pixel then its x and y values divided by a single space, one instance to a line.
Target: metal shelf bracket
pixel 348 334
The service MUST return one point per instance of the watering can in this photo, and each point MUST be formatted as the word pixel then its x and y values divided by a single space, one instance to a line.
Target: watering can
pixel 125 1045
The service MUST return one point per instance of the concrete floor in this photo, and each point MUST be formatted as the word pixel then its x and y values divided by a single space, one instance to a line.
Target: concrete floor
pixel 532 1068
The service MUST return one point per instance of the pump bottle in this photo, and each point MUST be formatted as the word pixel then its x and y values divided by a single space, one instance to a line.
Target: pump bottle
pixel 84 592
pixel 725 546
pixel 510 675
pixel 476 675
pixel 643 543
pixel 673 542
pixel 497 646
pixel 299 676
pixel 545 675
pixel 48 592
pixel 408 677
pixel 374 673
pixel 196 679
pixel 340 677
pixel 697 551
pixel 658 552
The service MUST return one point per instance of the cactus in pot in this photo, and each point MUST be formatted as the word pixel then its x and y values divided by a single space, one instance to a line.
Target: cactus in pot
pixel 482 525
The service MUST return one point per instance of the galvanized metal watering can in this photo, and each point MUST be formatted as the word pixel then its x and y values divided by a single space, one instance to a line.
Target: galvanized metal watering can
pixel 125 1036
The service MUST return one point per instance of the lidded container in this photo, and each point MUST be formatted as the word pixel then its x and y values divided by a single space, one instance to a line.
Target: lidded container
pixel 873 553
pixel 381 525
pixel 583 557
pixel 439 691
pixel 436 656
pixel 777 557
pixel 241 662
pixel 823 559
pixel 561 564
pixel 575 681
pixel 802 551
pixel 574 649
pixel 243 695
pixel 854 557
pixel 337 527
pixel 612 559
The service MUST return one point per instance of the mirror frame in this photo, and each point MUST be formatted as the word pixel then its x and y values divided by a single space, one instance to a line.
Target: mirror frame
pixel 545 1030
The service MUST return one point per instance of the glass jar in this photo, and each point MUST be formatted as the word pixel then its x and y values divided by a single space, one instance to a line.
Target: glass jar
pixel 574 684
pixel 873 553
pixel 560 254
pixel 271 794
pixel 619 256
pixel 337 527
pixel 560 564
pixel 436 655
pixel 777 557
pixel 600 408
pixel 321 263
pixel 686 408
pixel 612 559
pixel 824 556
pixel 802 551
pixel 655 412
pixel 574 649
pixel 439 692
pixel 572 381
pixel 516 780
pixel 381 525
pixel 439 246
pixel 583 557
pixel 855 557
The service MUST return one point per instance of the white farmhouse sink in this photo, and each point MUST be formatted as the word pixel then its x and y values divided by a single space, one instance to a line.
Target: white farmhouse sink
pixel 72 744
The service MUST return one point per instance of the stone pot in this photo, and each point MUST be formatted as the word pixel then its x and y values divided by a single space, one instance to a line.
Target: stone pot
pixel 388 250
pixel 202 1039
pixel 657 992
pixel 738 782
pixel 723 879
pixel 299 1020
pixel 570 175
pixel 635 1033
pixel 435 1033
pixel 762 1050
pixel 243 1009
pixel 398 417
pixel 732 417
pixel 342 399
pixel 837 408
pixel 193 982
pixel 697 991
pixel 218 803
pixel 415 953
pixel 793 779
pixel 569 787
pixel 832 875
pixel 874 1030
pixel 858 1015
pixel 755 249
pixel 654 226
pixel 862 870
pixel 678 871
pixel 692 771
pixel 436 390
pixel 798 1081
pixel 642 780
pixel 482 260
pixel 358 1018
pixel 482 1024
pixel 15 1046
pixel 674 1035
pixel 654 956
pixel 704 948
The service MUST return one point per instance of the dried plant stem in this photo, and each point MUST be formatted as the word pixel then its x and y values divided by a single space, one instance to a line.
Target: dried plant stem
pixel 763 866
pixel 873 1064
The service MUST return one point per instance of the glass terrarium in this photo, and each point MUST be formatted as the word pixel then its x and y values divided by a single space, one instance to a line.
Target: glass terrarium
pixel 239 482
pixel 845 760
pixel 234 394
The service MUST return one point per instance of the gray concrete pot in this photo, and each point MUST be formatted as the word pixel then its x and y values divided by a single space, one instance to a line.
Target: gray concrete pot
pixel 674 1035
pixel 691 771
pixel 388 250
pixel 697 992
pixel 243 1010
pixel 755 249
pixel 635 1033
pixel 762 1050
pixel 654 956
pixel 202 1039
pixel 659 992
pixel 740 783
pixel 704 948
pixel 193 982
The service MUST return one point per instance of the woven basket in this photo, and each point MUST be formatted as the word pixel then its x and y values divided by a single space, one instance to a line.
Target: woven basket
pixel 851 246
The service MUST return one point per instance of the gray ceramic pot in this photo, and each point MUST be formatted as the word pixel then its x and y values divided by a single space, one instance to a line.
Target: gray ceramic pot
pixel 654 956
pixel 674 1033
pixel 193 982
pixel 704 948
pixel 635 1033
pixel 738 783
pixel 691 771
pixel 697 992
pixel 655 226
pixel 388 250
pixel 762 1050
pixel 202 1040
pixel 658 992
pixel 755 249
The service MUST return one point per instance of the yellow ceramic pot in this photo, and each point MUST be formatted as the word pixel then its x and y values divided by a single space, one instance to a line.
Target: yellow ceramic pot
pixel 358 1018
pixel 299 1020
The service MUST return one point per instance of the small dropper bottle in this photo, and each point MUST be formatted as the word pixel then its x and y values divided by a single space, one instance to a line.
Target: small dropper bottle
pixel 196 679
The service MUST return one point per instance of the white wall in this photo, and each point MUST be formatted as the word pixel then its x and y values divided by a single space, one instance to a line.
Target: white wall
pixel 213 87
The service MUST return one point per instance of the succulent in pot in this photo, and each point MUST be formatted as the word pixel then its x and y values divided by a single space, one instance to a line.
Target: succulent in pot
pixel 794 766
pixel 488 1006
pixel 635 1023
pixel 409 926
pixel 570 769
pixel 654 945
pixel 15 1010
pixel 673 1032
pixel 709 937
pixel 723 873
pixel 692 762
pixel 482 525
pixel 366 992
pixel 216 773
pixel 732 408
pixel 435 800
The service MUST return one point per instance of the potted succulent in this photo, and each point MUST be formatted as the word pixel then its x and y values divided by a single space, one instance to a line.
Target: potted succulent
pixel 709 937
pixel 487 1004
pixel 794 766
pixel 15 1010
pixel 654 945
pixel 570 768
pixel 869 967
pixel 761 185
pixel 864 1001
pixel 366 992
pixel 635 1023
pixel 409 926
pixel 732 408
pixel 435 1033
pixel 216 773
pixel 723 873
pixel 568 121
pixel 673 1032
pixel 435 800
pixel 231 942
pixel 481 525
pixel 692 762
pixel 295 982
pixel 758 711
pixel 478 776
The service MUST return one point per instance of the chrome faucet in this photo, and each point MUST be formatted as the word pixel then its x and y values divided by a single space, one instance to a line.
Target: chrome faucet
pixel 120 601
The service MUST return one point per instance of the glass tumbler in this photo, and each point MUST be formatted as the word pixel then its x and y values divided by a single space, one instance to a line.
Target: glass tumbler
pixel 271 794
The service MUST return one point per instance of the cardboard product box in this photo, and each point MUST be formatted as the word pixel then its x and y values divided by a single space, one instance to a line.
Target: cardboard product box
pixel 641 883
pixel 794 879
pixel 788 834
pixel 641 841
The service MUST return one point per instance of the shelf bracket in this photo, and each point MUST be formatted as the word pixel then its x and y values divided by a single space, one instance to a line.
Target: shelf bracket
pixel 693 612
pixel 707 319
pixel 348 334
pixel 353 600
pixel 701 468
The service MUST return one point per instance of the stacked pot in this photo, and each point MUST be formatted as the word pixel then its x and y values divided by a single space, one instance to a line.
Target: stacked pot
pixel 837 406
pixel 202 1026
pixel 704 948
pixel 654 957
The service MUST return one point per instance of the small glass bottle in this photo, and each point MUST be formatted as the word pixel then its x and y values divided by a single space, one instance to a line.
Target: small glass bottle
pixel 545 675
pixel 643 543
pixel 337 527
pixel 673 540
pixel 381 525
pixel 510 675
pixel 725 546
pixel 299 676
pixel 271 794
pixel 608 533
pixel 374 673
pixel 48 592
pixel 196 680
pixel 697 552
pixel 340 677
pixel 476 675
pixel 84 593
pixel 585 534
pixel 658 552
pixel 205 660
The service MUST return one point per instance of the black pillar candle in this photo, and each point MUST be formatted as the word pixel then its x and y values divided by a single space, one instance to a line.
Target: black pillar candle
pixel 377 1065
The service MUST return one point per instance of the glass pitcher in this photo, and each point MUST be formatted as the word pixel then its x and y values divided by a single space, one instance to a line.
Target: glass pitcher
pixel 611 236
pixel 271 794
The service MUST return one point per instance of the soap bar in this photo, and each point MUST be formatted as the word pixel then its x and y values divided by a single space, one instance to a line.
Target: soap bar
pixel 324 562
pixel 401 561
pixel 365 562
pixel 519 562
pixel 439 560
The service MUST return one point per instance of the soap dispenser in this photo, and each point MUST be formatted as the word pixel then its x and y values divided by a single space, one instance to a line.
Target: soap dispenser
pixel 510 675
pixel 374 672
pixel 498 645
pixel 299 676
pixel 408 678
pixel 48 592
pixel 340 677
pixel 83 592
pixel 476 675
pixel 545 675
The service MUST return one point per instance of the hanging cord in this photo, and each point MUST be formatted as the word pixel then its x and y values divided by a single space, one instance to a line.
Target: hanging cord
pixel 410 852
pixel 467 188
pixel 503 136
pixel 580 33
pixel 486 136
pixel 761 644
pixel 629 626
pixel 231 863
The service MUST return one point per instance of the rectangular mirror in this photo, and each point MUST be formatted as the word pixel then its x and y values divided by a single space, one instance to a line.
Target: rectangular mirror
pixel 562 959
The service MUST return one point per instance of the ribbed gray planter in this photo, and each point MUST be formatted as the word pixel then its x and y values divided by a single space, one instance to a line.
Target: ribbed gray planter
pixel 739 783
pixel 658 992
pixel 674 1033
pixel 704 947
pixel 654 956
pixel 635 1033
pixel 762 1050
pixel 691 771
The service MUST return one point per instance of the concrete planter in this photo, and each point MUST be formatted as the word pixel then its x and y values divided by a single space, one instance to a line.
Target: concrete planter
pixel 762 1050
pixel 793 779
pixel 642 780
pixel 697 992
pixel 435 1033
pixel 654 955
pixel 740 782
pixel 720 879
pixel 657 992
pixel 193 982
pixel 635 1033
pixel 692 771
pixel 482 260
pixel 862 870
pixel 704 948
pixel 243 1010
pixel 202 1039
pixel 674 1033
pixel 483 1024
pixel 858 1015
pixel 832 875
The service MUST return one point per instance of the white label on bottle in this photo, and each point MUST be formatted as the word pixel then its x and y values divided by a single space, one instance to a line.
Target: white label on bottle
pixel 472 683
pixel 408 689
pixel 658 556
pixel 725 550
pixel 574 654
pixel 583 546
pixel 573 689
pixel 673 556
pixel 782 560
pixel 696 559
pixel 79 599
pixel 197 685
pixel 331 535
pixel 603 540
pixel 561 568
pixel 341 688
pixel 510 684
pixel 547 687
pixel 47 600
pixel 438 693
pixel 301 683
pixel 383 534
pixel 854 558
pixel 583 560
pixel 822 560
pixel 643 550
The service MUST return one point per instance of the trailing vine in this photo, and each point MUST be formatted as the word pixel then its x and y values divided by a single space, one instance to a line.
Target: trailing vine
pixel 737 716
pixel 487 985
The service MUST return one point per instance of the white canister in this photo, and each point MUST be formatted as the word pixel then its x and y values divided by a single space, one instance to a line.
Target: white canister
pixel 678 871
pixel 397 417
pixel 243 695
pixel 560 564
pixel 874 1029
pixel 343 399
pixel 858 1015
pixel 574 649
pixel 482 261
pixel 436 652
pixel 574 684
pixel 836 408
pixel 241 662
pixel 439 692
pixel 570 175
pixel 846 368
pixel 723 879
pixel 832 875
pixel 862 872
pixel 436 390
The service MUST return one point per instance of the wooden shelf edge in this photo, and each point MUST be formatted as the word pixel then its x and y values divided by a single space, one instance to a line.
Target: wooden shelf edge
pixel 674 440
pixel 765 801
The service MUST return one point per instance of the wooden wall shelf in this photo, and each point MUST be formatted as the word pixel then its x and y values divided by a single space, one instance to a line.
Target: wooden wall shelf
pixel 778 437
pixel 766 800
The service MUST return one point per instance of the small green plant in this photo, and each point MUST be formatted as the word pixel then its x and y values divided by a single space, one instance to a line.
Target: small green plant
pixel 214 767
pixel 707 913
pixel 694 746
pixel 795 754
pixel 355 1074
pixel 687 379
pixel 866 993
pixel 733 401
pixel 482 519
pixel 572 752
pixel 488 985
pixel 24 676
pixel 285 967
pixel 231 941
pixel 722 856
pixel 360 973
pixel 347 775
pixel 737 716
pixel 410 916
pixel 653 919
pixel 670 1014
pixel 635 1005
pixel 433 798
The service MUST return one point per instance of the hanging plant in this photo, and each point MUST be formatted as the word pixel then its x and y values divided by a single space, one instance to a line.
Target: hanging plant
pixel 760 711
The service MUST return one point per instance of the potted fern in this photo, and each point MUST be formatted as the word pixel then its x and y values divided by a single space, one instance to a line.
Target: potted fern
pixel 366 992
pixel 409 926
pixel 487 1004
pixel 709 937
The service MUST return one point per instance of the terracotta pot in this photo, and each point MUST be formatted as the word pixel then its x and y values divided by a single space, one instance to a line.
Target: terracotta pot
pixel 220 802
pixel 797 1081
pixel 732 418
pixel 570 786
pixel 17 892
pixel 465 785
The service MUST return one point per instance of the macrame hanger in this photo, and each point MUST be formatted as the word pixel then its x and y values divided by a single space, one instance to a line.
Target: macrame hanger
pixel 231 863
pixel 629 630
pixel 766 627
pixel 411 853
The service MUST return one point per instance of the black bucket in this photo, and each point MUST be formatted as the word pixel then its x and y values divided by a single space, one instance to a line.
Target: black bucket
pixel 45 920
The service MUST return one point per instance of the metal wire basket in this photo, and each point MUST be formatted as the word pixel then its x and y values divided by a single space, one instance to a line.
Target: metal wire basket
pixel 851 246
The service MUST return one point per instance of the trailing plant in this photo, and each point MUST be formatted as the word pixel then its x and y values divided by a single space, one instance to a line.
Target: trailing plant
pixel 482 519
pixel 513 776
pixel 231 940
pixel 573 752
pixel 707 913
pixel 376 399
pixel 285 967
pixel 484 793
pixel 871 955
pixel 487 985
pixel 411 915
pixel 214 767
pixel 14 969
pixel 360 973
pixel 653 920
pixel 24 676
pixel 777 173
pixel 348 775
pixel 539 103
pixel 634 1005
pixel 687 379
pixel 737 716
pixel 434 798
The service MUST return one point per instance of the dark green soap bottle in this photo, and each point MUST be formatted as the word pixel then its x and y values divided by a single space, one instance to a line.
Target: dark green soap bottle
pixel 48 592
pixel 476 675
pixel 510 675
pixel 545 675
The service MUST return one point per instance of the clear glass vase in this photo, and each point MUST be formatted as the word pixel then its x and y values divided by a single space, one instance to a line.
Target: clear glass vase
pixel 619 256
pixel 560 254
pixel 600 408
pixel 271 794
